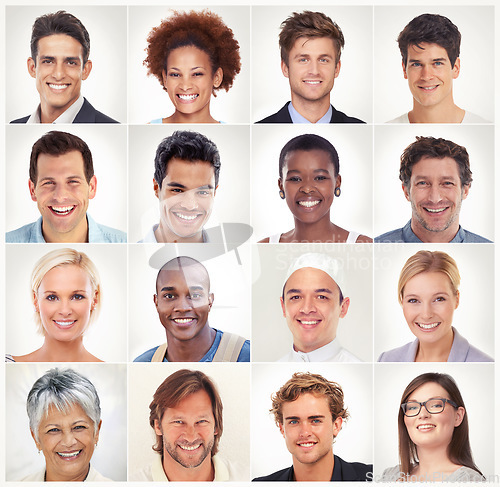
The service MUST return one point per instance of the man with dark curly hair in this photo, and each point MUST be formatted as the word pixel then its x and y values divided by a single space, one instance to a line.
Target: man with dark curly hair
pixel 310 45
pixel 59 62
pixel 309 411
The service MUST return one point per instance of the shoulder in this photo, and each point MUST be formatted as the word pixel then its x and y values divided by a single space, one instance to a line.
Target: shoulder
pixel 21 234
pixel 144 474
pixel 9 358
pixel 391 474
pixel 244 355
pixel 281 116
pixel 364 239
pixel 474 238
pixel 35 477
pixel 354 470
pixel 88 114
pixel 280 475
pixel 465 474
pixel 401 119
pixel 146 356
pixel 95 476
pixel 341 117
pixel 345 356
pixel 470 117
pixel 103 234
pixel 21 120
pixel 399 354
pixel 394 236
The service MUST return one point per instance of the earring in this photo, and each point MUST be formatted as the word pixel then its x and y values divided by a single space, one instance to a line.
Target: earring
pixel 282 194
pixel 337 192
pixel 39 451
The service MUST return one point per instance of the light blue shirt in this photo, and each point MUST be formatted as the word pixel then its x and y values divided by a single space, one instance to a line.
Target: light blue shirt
pixel 32 233
pixel 298 118
pixel 406 235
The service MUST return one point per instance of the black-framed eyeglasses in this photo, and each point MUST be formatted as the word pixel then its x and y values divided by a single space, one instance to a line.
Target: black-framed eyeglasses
pixel 433 406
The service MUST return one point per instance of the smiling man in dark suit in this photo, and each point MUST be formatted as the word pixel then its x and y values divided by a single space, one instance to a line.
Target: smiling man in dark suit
pixel 59 62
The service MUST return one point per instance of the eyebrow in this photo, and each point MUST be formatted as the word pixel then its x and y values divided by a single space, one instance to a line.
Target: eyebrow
pixel 72 424
pixel 69 58
pixel 321 290
pixel 314 416
pixel 314 170
pixel 433 60
pixel 52 178
pixel 174 184
pixel 75 291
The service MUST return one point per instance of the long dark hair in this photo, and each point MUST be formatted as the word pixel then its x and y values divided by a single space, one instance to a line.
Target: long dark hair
pixel 459 451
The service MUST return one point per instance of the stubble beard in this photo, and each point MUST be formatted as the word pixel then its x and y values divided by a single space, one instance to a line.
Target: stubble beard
pixel 194 462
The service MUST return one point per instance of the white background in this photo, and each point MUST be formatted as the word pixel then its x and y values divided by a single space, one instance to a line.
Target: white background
pixel 352 91
pixel 106 338
pixel 353 443
pixel 232 200
pixel 351 211
pixel 476 24
pixel 393 210
pixel 473 321
pixel 108 145
pixel 106 86
pixel 148 100
pixel 271 337
pixel 110 381
pixel 233 384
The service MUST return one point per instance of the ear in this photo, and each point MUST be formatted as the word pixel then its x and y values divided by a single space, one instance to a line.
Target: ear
pixel 337 426
pixel 87 69
pixel 96 299
pixel 458 299
pixel 210 300
pixel 338 181
pixel 34 439
pixel 280 185
pixel 459 416
pixel 337 69
pixel 283 307
pixel 465 191
pixel 344 307
pixel 164 77
pixel 97 433
pixel 92 187
pixel 404 69
pixel 155 299
pixel 406 192
pixel 31 67
pixel 31 185
pixel 284 69
pixel 35 303
pixel 218 77
pixel 456 68
pixel 157 428
pixel 282 430
pixel 156 188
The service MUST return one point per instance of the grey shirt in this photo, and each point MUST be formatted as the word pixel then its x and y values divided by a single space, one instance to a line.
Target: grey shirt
pixel 462 474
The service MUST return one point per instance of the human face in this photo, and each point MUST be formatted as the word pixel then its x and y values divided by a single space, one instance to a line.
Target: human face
pixel 430 75
pixel 435 193
pixel 59 71
pixel 312 308
pixel 65 300
pixel 183 301
pixel 433 430
pixel 311 68
pixel 186 199
pixel 62 195
pixel 188 431
pixel 309 184
pixel 309 429
pixel 189 80
pixel 67 442
pixel 428 305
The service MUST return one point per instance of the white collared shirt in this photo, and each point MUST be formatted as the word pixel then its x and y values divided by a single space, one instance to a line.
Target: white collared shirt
pixel 331 352
pixel 66 117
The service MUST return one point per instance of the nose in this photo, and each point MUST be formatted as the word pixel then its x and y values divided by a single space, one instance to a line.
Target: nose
pixel 427 310
pixel 423 412
pixel 185 83
pixel 68 439
pixel 305 429
pixel 426 72
pixel 189 201
pixel 307 187
pixel 190 432
pixel 434 193
pixel 308 305
pixel 59 193
pixel 58 71
pixel 64 307
pixel 314 67
pixel 183 303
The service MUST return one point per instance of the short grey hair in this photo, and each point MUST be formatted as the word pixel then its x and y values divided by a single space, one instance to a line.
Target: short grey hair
pixel 62 389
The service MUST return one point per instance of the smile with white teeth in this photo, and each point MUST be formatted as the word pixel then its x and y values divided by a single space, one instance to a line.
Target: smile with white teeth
pixel 312 82
pixel 307 445
pixel 69 455
pixel 428 88
pixel 183 216
pixel 189 448
pixel 58 87
pixel 182 321
pixel 309 204
pixel 426 427
pixel 428 326
pixel 65 323
pixel 188 97
pixel 436 210
pixel 315 322
pixel 62 210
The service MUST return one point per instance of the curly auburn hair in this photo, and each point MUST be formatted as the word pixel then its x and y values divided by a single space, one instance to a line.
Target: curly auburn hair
pixel 203 30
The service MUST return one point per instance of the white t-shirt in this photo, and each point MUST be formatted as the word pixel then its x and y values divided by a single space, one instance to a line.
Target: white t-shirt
pixel 468 118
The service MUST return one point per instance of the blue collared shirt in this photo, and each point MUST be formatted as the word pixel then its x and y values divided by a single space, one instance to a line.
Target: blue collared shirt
pixel 32 233
pixel 298 118
pixel 406 235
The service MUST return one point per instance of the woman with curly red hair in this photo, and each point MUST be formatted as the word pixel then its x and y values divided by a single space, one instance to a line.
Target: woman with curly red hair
pixel 192 54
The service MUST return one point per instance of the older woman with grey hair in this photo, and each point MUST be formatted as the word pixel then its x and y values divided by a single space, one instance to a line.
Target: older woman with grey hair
pixel 65 419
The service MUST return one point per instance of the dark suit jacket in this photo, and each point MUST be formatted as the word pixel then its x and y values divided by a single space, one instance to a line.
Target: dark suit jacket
pixel 283 116
pixel 355 471
pixel 87 114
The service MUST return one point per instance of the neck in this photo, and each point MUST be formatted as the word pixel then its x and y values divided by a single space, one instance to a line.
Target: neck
pixel 52 476
pixel 80 234
pixel 321 470
pixel 322 230
pixel 192 350
pixel 435 352
pixel 198 117
pixel 205 472
pixel 433 464
pixel 163 234
pixel 48 114
pixel 312 110
pixel 427 236
pixel 444 112
pixel 58 351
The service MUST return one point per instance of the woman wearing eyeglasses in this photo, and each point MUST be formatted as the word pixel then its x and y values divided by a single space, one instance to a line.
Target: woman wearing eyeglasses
pixel 433 434
pixel 428 293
